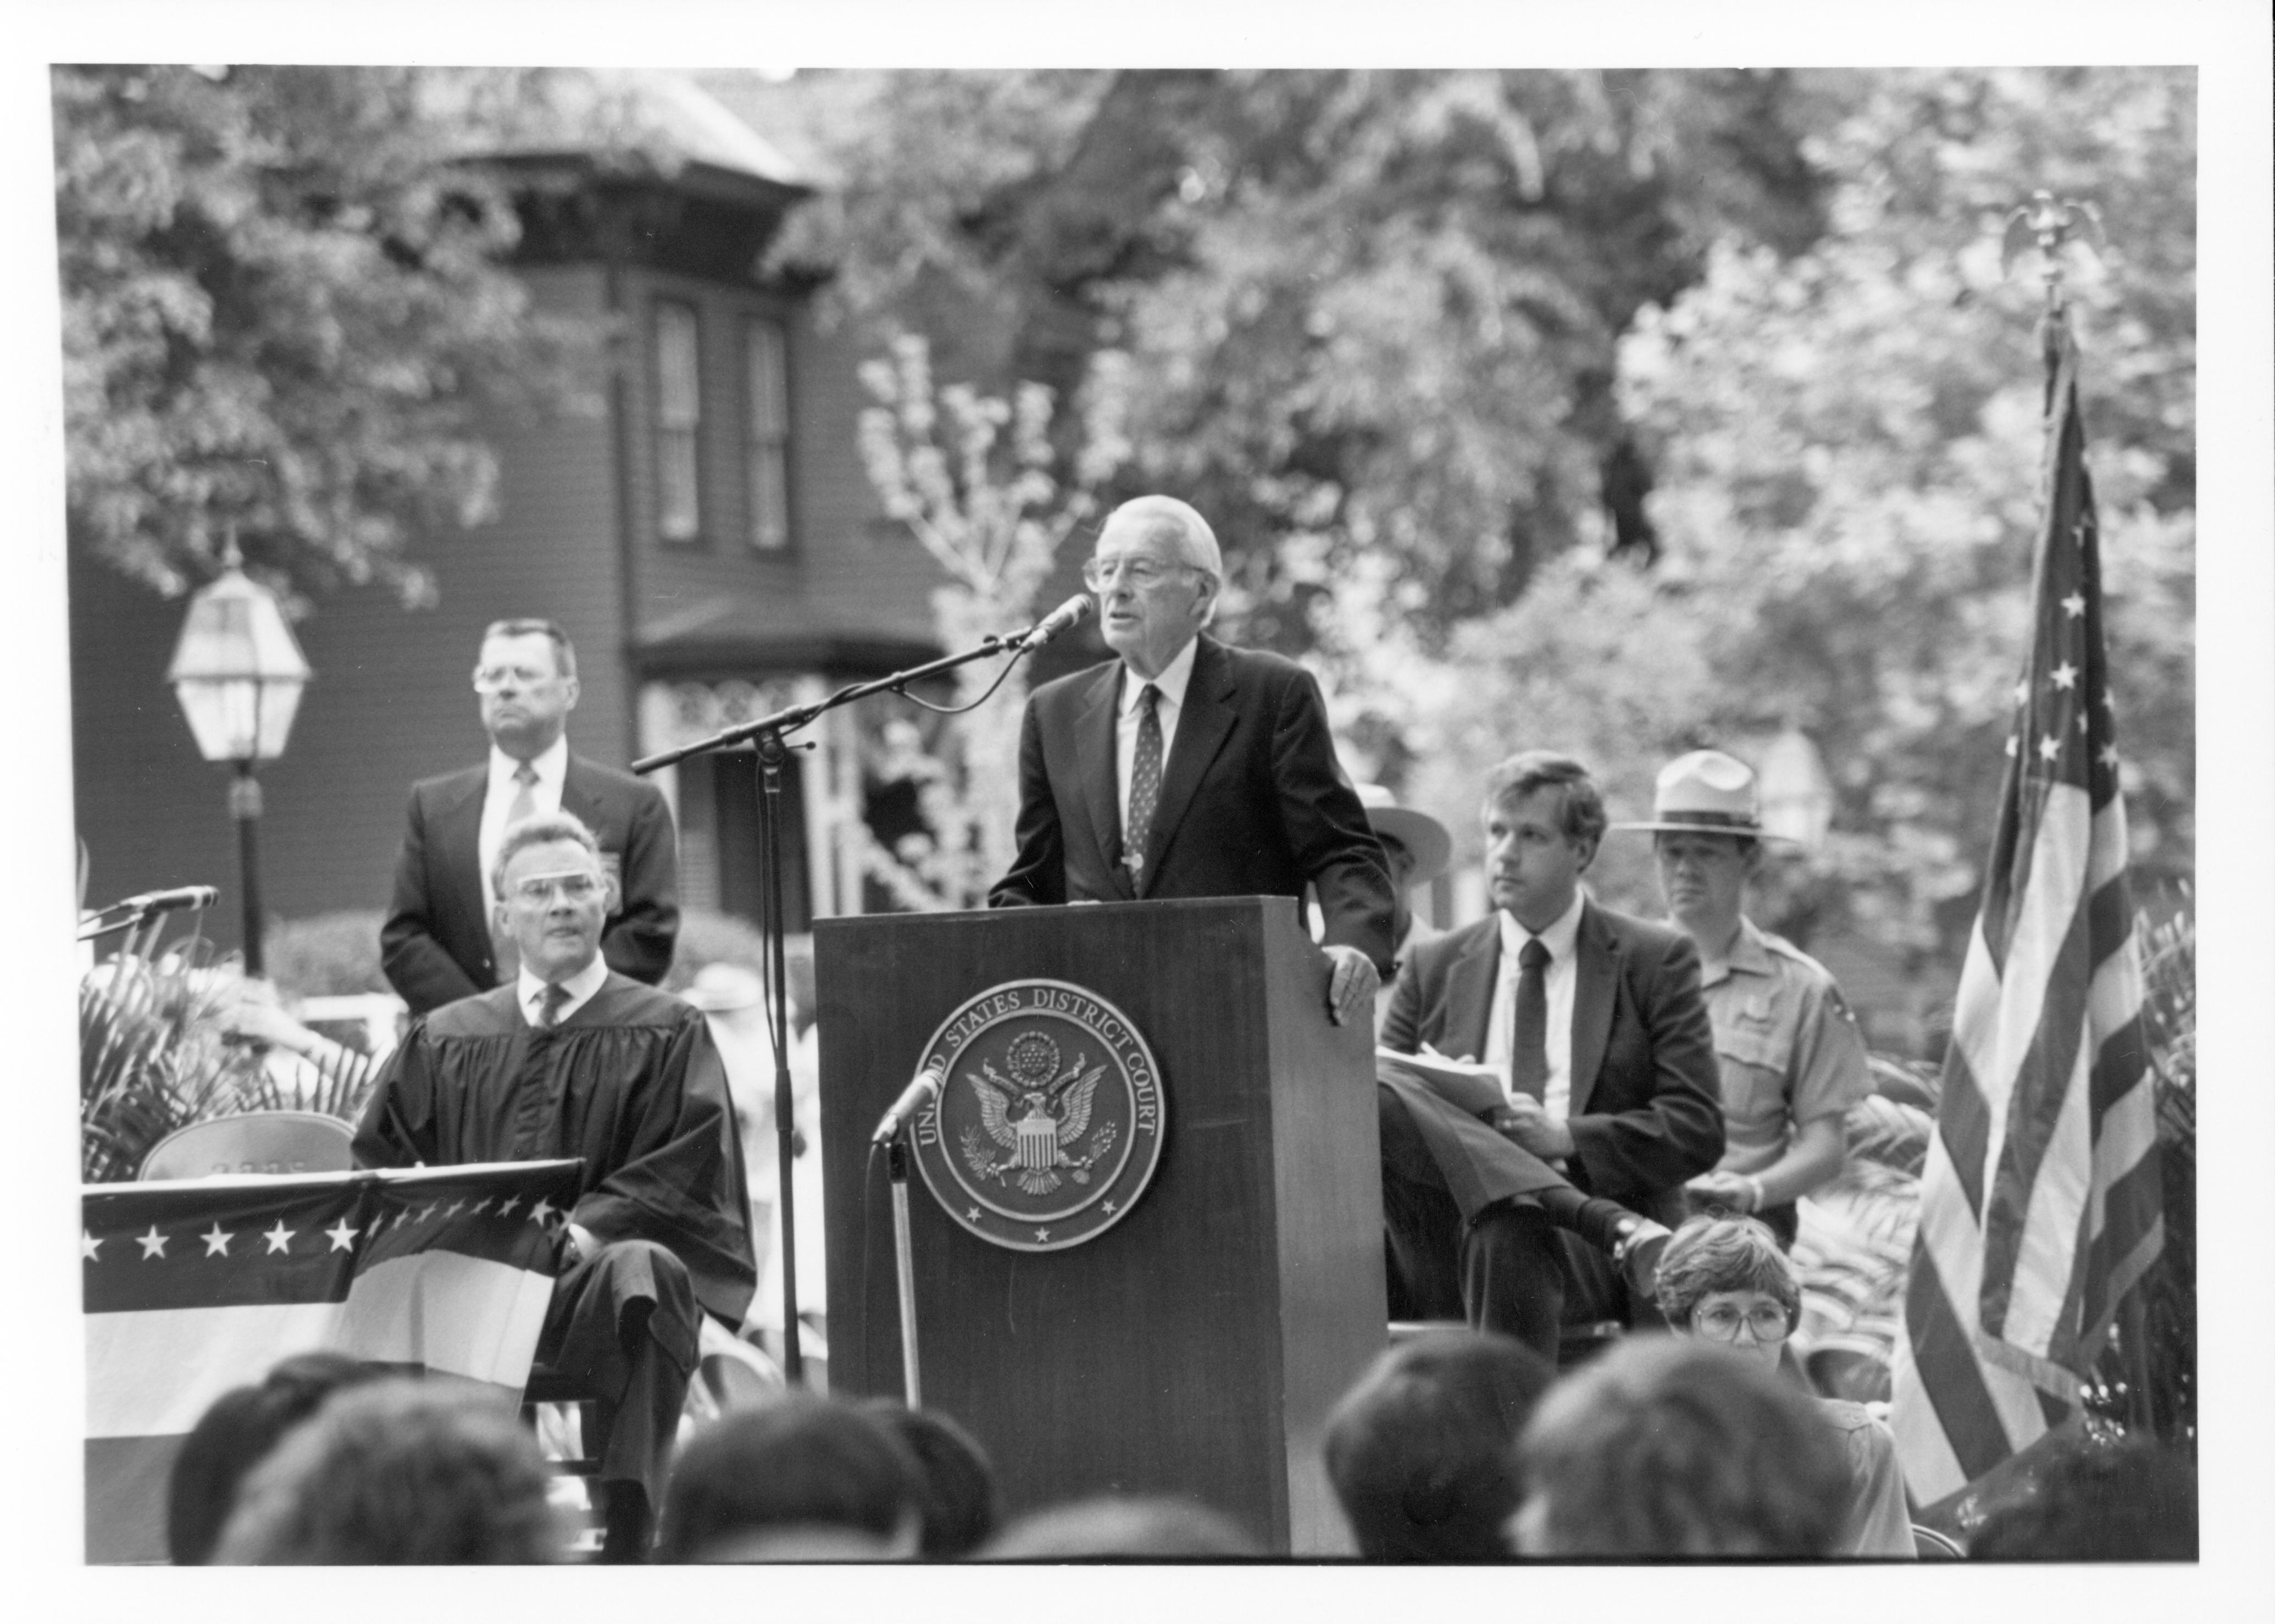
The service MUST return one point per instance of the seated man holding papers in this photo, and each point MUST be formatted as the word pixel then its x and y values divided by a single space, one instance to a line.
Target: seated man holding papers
pixel 1588 1095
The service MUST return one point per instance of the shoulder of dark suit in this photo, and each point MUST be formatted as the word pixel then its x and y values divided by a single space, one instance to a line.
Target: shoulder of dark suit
pixel 1646 937
pixel 594 776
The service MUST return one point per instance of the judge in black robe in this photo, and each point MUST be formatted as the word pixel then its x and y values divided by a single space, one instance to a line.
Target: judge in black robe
pixel 630 1082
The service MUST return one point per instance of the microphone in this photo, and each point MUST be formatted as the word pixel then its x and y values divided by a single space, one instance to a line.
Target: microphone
pixel 1067 615
pixel 170 901
pixel 911 1103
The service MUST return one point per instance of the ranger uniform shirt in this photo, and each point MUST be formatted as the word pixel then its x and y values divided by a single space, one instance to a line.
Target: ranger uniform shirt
pixel 1789 1049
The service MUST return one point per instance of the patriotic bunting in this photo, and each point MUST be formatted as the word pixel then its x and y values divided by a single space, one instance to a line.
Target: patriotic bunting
pixel 194 1286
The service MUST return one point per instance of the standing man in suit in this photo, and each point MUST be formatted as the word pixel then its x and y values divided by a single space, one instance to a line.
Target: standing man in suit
pixel 1187 768
pixel 1610 1084
pixel 438 944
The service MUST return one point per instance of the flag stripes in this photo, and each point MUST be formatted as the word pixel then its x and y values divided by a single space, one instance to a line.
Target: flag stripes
pixel 2040 1204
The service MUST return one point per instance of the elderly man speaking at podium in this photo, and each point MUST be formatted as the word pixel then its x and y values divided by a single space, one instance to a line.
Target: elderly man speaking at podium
pixel 1187 768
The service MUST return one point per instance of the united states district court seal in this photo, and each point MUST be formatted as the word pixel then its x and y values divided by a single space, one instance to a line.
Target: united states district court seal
pixel 1050 1120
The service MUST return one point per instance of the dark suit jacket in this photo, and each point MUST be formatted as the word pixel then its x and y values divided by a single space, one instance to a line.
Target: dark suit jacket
pixel 436 946
pixel 1646 1106
pixel 1253 802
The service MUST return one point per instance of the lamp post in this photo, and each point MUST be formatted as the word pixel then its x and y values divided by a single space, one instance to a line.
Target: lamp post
pixel 239 672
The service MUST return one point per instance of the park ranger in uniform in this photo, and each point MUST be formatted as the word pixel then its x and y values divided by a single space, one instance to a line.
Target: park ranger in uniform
pixel 1792 1061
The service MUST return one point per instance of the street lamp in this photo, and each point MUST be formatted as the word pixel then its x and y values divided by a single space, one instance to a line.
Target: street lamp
pixel 1797 791
pixel 238 672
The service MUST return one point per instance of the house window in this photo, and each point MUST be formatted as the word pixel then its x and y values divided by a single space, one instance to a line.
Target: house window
pixel 678 422
pixel 766 455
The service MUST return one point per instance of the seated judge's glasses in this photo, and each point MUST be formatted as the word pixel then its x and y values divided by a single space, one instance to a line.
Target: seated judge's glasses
pixel 1099 573
pixel 1719 1322
pixel 576 886
pixel 490 678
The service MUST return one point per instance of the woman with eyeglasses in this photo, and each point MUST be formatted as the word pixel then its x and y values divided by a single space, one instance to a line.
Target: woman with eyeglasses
pixel 1723 1279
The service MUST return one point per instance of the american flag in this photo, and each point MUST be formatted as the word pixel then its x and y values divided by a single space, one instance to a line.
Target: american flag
pixel 2041 1204
pixel 196 1285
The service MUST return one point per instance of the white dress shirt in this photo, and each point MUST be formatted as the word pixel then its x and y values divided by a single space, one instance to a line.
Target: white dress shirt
pixel 580 987
pixel 1167 708
pixel 1561 939
pixel 552 767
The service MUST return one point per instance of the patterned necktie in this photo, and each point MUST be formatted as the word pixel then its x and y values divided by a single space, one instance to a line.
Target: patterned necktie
pixel 549 1002
pixel 1528 1041
pixel 525 797
pixel 1144 779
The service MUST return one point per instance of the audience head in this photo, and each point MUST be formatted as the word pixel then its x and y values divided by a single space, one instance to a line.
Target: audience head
pixel 1723 1279
pixel 525 678
pixel 959 1483
pixel 2130 1501
pixel 803 1479
pixel 1122 1527
pixel 1669 1447
pixel 1543 818
pixel 1422 1451
pixel 237 1432
pixel 400 1472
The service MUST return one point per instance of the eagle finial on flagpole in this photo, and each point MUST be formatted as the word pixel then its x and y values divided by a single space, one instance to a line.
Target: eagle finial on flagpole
pixel 2048 224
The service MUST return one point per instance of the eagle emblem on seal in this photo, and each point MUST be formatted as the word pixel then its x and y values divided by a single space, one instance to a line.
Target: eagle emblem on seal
pixel 1037 1117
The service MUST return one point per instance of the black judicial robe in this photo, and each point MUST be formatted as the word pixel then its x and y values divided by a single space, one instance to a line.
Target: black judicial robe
pixel 631 1083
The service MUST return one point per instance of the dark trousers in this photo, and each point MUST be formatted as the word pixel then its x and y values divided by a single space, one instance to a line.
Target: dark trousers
pixel 623 1325
pixel 1503 1267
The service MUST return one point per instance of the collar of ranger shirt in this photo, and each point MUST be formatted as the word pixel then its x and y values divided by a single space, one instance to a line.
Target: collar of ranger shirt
pixel 1749 954
pixel 580 987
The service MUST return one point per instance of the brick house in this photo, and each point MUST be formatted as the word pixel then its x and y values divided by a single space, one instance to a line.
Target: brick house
pixel 707 538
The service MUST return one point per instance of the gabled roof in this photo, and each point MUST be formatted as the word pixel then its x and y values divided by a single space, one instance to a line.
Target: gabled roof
pixel 602 112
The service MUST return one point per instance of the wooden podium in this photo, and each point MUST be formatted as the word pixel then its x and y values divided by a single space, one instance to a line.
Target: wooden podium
pixel 1196 1346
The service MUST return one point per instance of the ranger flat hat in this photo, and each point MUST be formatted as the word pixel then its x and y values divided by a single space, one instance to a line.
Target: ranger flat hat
pixel 1419 832
pixel 1705 793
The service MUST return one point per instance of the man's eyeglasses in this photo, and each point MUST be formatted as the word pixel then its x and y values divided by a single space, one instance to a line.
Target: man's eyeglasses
pixel 490 678
pixel 1720 1322
pixel 579 888
pixel 1099 573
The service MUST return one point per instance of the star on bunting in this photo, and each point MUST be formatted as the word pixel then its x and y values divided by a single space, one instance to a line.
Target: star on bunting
pixel 2050 747
pixel 153 1244
pixel 542 1214
pixel 1042 1234
pixel 2109 757
pixel 508 1206
pixel 2075 604
pixel 1111 1209
pixel 453 1209
pixel 2065 675
pixel 217 1240
pixel 341 1236
pixel 973 1213
pixel 279 1239
pixel 87 1246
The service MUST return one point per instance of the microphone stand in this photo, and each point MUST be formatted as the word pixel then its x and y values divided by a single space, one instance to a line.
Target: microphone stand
pixel 905 1273
pixel 765 736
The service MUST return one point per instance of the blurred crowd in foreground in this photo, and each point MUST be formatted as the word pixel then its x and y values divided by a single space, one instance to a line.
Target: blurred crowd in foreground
pixel 1456 1446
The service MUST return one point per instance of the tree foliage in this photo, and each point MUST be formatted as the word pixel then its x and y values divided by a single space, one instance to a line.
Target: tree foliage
pixel 1848 443
pixel 976 481
pixel 1368 314
pixel 285 310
